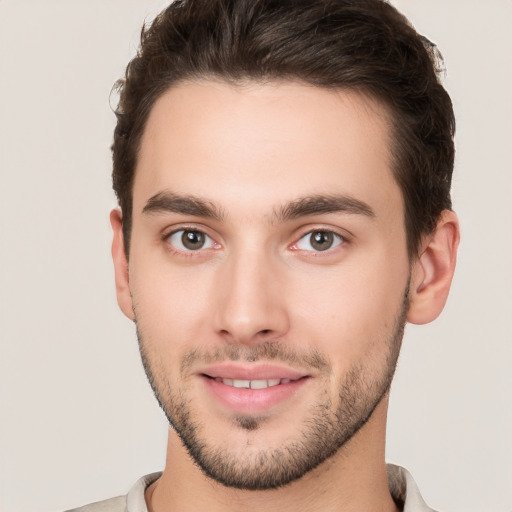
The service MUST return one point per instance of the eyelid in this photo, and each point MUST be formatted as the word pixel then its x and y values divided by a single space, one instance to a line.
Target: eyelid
pixel 323 226
pixel 170 230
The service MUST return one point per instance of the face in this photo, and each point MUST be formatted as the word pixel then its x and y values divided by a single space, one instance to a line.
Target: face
pixel 268 272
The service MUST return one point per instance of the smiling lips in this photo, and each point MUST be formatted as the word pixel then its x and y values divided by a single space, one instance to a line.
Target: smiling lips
pixel 252 388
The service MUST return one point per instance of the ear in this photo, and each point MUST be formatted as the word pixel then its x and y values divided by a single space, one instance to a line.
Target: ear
pixel 124 298
pixel 433 270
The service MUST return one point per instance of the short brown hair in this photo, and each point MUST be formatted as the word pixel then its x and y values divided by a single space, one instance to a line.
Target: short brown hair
pixel 363 45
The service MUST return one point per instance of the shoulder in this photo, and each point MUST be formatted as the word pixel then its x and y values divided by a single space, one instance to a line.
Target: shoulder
pixel 117 504
pixel 404 490
pixel 132 502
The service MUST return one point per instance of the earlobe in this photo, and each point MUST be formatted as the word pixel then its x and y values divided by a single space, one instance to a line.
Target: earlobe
pixel 124 298
pixel 433 270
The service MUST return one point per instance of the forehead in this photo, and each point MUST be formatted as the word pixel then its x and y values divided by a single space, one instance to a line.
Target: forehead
pixel 272 141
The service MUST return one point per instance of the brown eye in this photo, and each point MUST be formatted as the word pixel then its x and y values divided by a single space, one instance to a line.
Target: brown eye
pixel 319 241
pixel 190 240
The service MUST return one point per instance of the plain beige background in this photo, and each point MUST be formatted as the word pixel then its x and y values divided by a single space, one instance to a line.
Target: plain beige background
pixel 78 422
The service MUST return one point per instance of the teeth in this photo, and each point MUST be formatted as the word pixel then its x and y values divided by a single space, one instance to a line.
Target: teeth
pixel 253 384
pixel 241 383
pixel 259 384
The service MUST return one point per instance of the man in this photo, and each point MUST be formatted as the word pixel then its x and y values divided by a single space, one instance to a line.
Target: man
pixel 283 173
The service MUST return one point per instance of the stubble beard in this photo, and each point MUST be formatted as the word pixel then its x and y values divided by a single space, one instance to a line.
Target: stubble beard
pixel 324 433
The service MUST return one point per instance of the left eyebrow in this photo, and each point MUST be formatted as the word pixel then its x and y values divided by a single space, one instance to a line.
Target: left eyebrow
pixel 168 202
pixel 321 204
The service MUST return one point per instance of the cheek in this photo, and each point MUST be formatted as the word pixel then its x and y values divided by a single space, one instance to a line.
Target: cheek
pixel 350 311
pixel 171 305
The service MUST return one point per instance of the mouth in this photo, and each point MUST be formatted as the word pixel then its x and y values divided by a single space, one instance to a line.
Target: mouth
pixel 251 389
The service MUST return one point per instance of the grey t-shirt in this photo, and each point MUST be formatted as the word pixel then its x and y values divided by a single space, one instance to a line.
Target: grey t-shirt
pixel 401 484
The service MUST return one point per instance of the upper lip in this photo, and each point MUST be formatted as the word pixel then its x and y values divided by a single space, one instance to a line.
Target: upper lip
pixel 251 371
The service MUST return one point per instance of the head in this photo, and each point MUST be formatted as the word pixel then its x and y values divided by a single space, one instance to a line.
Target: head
pixel 283 172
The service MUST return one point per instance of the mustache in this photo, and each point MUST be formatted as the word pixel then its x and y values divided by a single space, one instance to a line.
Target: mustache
pixel 265 351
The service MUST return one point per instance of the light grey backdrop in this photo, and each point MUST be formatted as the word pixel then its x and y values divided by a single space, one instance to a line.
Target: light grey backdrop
pixel 78 421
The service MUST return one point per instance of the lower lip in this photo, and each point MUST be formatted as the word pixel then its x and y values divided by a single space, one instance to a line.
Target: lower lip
pixel 252 401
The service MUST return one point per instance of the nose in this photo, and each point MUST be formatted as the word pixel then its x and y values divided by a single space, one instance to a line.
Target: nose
pixel 251 302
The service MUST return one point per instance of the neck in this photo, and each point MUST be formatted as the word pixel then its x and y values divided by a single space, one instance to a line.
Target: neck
pixel 354 479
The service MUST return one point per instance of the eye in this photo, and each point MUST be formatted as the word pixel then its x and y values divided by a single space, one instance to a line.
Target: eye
pixel 190 240
pixel 319 241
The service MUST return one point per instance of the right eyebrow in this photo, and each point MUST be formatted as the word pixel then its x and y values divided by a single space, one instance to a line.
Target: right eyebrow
pixel 168 202
pixel 323 204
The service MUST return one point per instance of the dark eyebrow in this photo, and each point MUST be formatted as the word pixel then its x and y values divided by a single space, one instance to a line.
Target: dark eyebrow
pixel 319 204
pixel 186 205
pixel 305 206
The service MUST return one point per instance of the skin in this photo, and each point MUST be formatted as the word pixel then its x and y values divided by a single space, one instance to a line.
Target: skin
pixel 247 154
